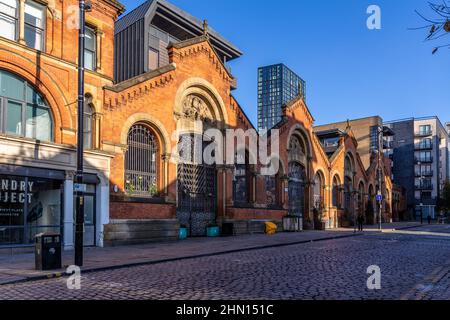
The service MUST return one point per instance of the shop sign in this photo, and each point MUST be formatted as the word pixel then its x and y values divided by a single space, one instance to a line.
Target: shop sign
pixel 14 191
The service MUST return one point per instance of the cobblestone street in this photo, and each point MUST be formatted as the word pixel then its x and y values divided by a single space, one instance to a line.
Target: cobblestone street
pixel 414 265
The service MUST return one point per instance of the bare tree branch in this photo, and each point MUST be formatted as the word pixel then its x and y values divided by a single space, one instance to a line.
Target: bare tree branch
pixel 440 23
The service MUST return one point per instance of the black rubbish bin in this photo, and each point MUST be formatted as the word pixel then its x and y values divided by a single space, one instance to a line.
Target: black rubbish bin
pixel 227 229
pixel 48 251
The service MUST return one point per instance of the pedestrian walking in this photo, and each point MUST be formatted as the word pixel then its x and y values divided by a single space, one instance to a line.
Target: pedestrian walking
pixel 361 223
pixel 429 219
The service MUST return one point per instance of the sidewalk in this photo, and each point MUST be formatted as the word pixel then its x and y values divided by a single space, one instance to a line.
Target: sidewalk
pixel 389 227
pixel 20 267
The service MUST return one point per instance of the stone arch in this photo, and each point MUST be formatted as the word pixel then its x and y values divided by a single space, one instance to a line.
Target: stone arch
pixel 361 196
pixel 89 100
pixel 201 88
pixel 298 149
pixel 361 181
pixel 319 187
pixel 350 159
pixel 55 120
pixel 321 171
pixel 336 189
pixel 301 132
pixel 155 124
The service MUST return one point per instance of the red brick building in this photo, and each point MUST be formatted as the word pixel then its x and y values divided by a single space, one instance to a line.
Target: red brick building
pixel 170 72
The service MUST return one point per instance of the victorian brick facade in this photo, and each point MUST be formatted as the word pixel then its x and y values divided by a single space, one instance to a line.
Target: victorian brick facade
pixel 322 190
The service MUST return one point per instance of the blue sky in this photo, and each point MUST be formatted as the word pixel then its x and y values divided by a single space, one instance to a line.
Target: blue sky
pixel 351 72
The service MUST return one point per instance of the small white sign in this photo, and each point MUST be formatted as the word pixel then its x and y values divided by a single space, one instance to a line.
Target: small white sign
pixel 77 187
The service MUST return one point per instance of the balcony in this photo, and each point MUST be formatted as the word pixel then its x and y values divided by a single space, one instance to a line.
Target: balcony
pixel 424 186
pixel 424 174
pixel 422 134
pixel 423 146
pixel 426 201
pixel 388 145
pixel 423 160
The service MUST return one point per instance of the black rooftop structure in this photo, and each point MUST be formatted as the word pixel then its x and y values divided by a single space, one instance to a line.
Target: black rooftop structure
pixel 143 35
pixel 332 133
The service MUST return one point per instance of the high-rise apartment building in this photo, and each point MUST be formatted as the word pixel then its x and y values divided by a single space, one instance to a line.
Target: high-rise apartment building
pixel 277 85
pixel 421 161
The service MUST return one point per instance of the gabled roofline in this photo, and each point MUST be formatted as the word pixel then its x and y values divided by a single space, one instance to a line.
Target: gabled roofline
pixel 197 40
pixel 298 99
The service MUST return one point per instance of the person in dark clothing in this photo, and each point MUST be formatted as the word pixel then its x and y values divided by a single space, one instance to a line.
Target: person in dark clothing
pixel 429 219
pixel 361 223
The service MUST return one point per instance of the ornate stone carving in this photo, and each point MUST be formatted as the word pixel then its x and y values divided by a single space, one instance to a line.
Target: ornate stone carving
pixel 194 108
pixel 296 150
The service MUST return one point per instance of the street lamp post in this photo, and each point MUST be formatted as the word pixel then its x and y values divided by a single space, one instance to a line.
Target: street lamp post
pixel 79 194
pixel 380 178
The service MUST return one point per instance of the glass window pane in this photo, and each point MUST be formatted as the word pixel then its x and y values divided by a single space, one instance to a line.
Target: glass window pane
pixel 90 39
pixel 44 209
pixel 38 123
pixel 33 37
pixel 9 7
pixel 14 118
pixel 11 86
pixel 7 27
pixel 89 59
pixel 34 14
pixel 33 97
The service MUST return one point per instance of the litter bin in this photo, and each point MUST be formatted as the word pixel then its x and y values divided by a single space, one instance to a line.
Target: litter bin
pixel 48 251
pixel 227 229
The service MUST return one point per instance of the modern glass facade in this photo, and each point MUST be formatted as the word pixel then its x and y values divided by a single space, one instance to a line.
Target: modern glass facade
pixel 277 85
pixel 28 206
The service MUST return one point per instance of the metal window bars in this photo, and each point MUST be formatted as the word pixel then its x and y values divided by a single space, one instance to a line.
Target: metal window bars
pixel 140 162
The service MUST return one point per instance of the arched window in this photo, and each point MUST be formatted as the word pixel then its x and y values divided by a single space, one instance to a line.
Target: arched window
pixel 336 192
pixel 318 191
pixel 297 179
pixel 88 130
pixel 297 168
pixel 297 150
pixel 241 180
pixel 23 111
pixel 141 162
pixel 361 198
pixel 348 189
pixel 273 187
pixel 348 166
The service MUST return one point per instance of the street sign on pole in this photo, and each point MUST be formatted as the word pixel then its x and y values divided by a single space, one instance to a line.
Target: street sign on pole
pixel 379 198
pixel 79 187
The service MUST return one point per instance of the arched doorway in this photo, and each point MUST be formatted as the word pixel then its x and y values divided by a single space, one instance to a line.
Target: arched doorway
pixel 196 180
pixel 297 177
pixel 349 189
pixel 318 198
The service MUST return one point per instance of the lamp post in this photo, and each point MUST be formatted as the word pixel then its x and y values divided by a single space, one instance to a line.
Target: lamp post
pixel 79 194
pixel 380 178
